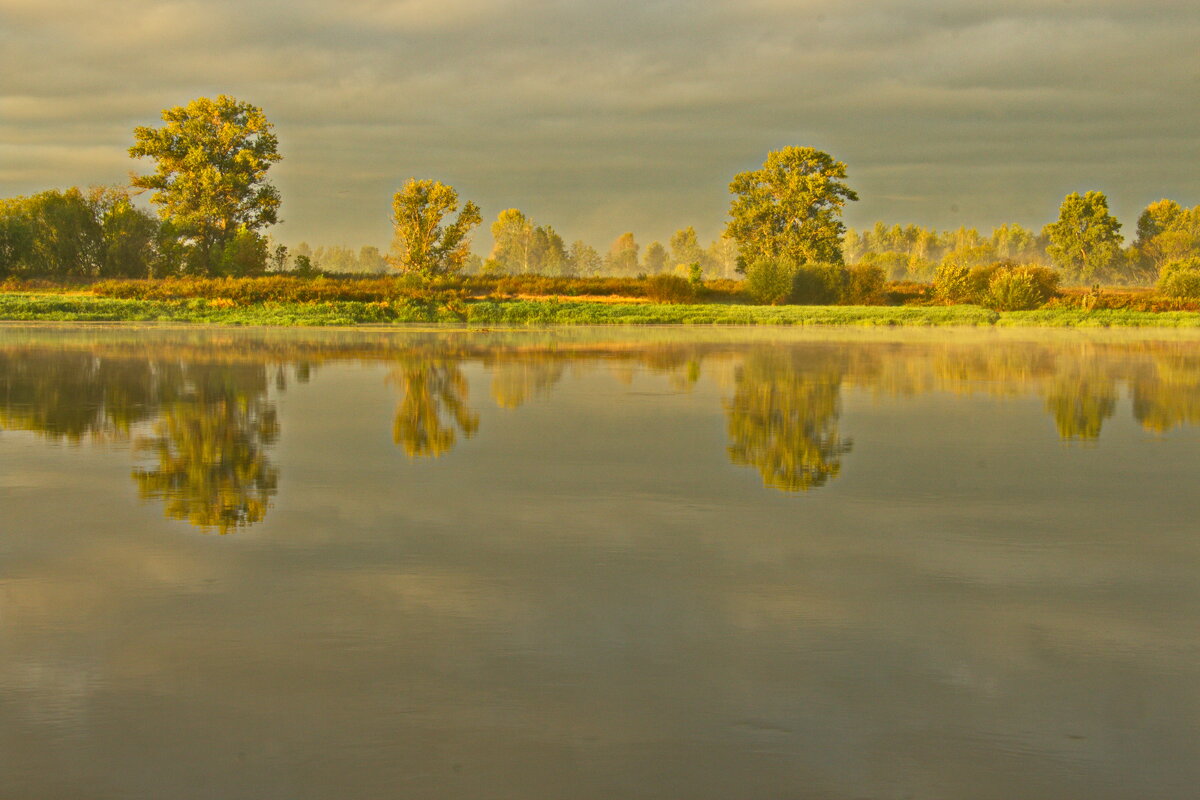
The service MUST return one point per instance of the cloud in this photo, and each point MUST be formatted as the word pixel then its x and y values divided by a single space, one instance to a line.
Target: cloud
pixel 611 115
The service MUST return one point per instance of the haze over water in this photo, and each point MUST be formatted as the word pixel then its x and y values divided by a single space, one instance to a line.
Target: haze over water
pixel 598 564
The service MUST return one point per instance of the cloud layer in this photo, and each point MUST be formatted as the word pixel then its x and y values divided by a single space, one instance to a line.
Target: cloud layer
pixel 612 115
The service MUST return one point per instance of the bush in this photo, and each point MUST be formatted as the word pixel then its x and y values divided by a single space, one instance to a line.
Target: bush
pixel 1180 279
pixel 670 289
pixel 952 283
pixel 769 281
pixel 819 284
pixel 1020 288
pixel 865 286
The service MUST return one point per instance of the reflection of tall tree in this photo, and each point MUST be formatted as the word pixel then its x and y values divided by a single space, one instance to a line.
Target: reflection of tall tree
pixel 1080 402
pixel 210 447
pixel 783 418
pixel 434 406
pixel 516 380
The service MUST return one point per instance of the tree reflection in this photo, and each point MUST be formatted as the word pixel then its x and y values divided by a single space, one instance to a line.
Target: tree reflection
pixel 433 408
pixel 209 447
pixel 783 419
pixel 1168 394
pixel 516 380
pixel 72 395
pixel 1080 402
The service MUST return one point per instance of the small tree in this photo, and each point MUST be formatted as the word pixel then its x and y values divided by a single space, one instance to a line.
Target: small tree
pixel 1085 242
pixel 423 244
pixel 791 208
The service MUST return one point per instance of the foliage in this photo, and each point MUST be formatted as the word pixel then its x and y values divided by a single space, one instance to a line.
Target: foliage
pixel 952 283
pixel 622 256
pixel 210 181
pixel 1166 232
pixel 770 281
pixel 819 284
pixel 783 419
pixel 667 288
pixel 1085 242
pixel 865 285
pixel 685 247
pixel 1181 279
pixel 790 208
pixel 655 259
pixel 423 245
pixel 1020 288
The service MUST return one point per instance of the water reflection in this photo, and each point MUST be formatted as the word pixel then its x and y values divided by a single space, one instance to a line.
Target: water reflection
pixel 433 408
pixel 204 428
pixel 199 413
pixel 209 448
pixel 783 418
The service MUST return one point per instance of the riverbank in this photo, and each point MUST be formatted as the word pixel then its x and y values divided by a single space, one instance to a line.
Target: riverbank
pixel 57 307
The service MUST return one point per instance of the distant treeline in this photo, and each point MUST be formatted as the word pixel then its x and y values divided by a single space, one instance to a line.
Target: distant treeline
pixel 214 203
pixel 1166 232
pixel 100 233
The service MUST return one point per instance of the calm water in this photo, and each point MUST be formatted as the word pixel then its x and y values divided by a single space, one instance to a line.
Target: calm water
pixel 575 564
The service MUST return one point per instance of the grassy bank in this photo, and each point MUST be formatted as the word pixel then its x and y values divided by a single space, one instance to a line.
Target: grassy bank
pixel 31 306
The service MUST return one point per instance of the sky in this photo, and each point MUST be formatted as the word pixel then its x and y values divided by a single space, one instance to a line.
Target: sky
pixel 602 116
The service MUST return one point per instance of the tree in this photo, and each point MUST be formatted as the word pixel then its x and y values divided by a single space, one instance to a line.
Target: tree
pixel 512 233
pixel 422 244
pixel 655 258
pixel 790 208
pixel 549 253
pixel 685 247
pixel 210 183
pixel 1085 242
pixel 583 259
pixel 623 255
pixel 1166 232
pixel 128 235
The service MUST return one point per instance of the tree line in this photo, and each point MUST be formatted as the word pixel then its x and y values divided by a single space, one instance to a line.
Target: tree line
pixel 214 202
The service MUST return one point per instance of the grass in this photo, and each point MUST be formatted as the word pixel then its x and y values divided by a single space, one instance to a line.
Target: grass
pixel 31 306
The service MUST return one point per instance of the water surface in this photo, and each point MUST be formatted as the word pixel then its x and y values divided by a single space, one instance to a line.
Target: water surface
pixel 598 564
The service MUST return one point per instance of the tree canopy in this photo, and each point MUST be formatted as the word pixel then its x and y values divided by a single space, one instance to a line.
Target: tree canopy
pixel 791 208
pixel 1085 242
pixel 425 242
pixel 210 181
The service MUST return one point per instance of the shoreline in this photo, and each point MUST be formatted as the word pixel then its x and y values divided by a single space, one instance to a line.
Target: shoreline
pixel 55 307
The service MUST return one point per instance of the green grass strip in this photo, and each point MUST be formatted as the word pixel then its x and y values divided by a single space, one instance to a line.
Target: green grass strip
pixel 88 308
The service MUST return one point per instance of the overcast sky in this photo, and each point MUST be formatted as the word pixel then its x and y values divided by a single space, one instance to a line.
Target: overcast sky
pixel 600 116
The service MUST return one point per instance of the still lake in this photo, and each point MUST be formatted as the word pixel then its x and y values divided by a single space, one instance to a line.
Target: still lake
pixel 579 563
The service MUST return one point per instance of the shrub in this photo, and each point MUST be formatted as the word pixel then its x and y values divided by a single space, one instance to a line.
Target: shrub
pixel 865 285
pixel 1020 288
pixel 670 289
pixel 819 284
pixel 979 280
pixel 1180 279
pixel 769 281
pixel 952 283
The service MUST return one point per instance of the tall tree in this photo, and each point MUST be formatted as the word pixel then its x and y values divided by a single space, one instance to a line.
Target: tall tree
pixel 1085 242
pixel 512 234
pixel 623 255
pixel 655 258
pixel 549 253
pixel 685 247
pixel 1166 232
pixel 584 259
pixel 210 181
pixel 425 242
pixel 790 208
